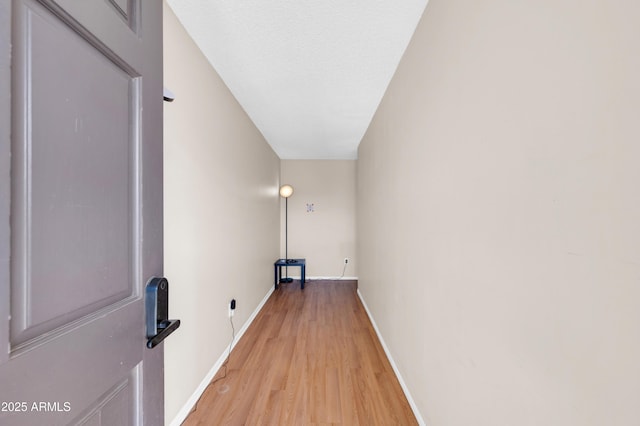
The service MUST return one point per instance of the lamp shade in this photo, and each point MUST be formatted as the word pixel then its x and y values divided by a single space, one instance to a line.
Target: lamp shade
pixel 286 191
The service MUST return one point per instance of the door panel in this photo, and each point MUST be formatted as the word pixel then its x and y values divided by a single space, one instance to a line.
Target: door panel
pixel 116 406
pixel 81 211
pixel 65 157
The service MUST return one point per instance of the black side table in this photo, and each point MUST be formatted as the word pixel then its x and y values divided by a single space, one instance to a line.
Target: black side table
pixel 277 269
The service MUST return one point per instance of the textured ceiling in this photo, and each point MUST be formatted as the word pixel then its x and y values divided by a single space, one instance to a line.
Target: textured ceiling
pixel 309 73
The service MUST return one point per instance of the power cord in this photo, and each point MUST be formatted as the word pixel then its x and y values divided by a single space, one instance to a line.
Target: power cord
pixel 343 270
pixel 333 278
pixel 224 365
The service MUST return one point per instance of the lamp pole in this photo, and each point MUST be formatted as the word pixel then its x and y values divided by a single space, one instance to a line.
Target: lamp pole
pixel 286 191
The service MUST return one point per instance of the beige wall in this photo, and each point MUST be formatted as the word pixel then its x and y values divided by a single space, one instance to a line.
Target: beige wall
pixel 221 214
pixel 327 235
pixel 498 213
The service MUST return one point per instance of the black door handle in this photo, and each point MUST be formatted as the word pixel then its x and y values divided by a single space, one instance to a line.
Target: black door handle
pixel 159 326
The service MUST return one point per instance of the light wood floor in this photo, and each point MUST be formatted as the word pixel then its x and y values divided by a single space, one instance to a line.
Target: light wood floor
pixel 310 357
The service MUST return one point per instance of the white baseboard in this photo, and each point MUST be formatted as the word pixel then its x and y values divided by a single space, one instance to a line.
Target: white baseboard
pixel 191 402
pixel 405 389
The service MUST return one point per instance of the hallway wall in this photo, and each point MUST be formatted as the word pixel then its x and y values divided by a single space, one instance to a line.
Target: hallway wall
pixel 322 215
pixel 222 214
pixel 498 213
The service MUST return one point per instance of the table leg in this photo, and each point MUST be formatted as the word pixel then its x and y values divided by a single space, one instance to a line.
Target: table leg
pixel 302 277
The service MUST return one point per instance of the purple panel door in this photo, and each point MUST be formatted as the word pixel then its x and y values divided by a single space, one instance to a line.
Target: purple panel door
pixel 80 210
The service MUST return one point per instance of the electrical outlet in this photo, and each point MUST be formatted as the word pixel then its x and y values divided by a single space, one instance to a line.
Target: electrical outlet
pixel 232 307
pixel 346 260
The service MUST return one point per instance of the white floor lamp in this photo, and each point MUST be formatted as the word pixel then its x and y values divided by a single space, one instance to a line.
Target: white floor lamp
pixel 286 191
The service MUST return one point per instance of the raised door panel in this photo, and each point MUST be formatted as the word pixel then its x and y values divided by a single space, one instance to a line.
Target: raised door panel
pixel 73 179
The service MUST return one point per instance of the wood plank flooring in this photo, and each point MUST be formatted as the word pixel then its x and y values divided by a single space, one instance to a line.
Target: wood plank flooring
pixel 310 357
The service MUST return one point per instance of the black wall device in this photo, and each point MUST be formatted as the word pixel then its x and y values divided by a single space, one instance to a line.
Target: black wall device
pixel 159 326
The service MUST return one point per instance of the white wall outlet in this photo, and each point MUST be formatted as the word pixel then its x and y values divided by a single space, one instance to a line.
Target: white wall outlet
pixel 346 260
